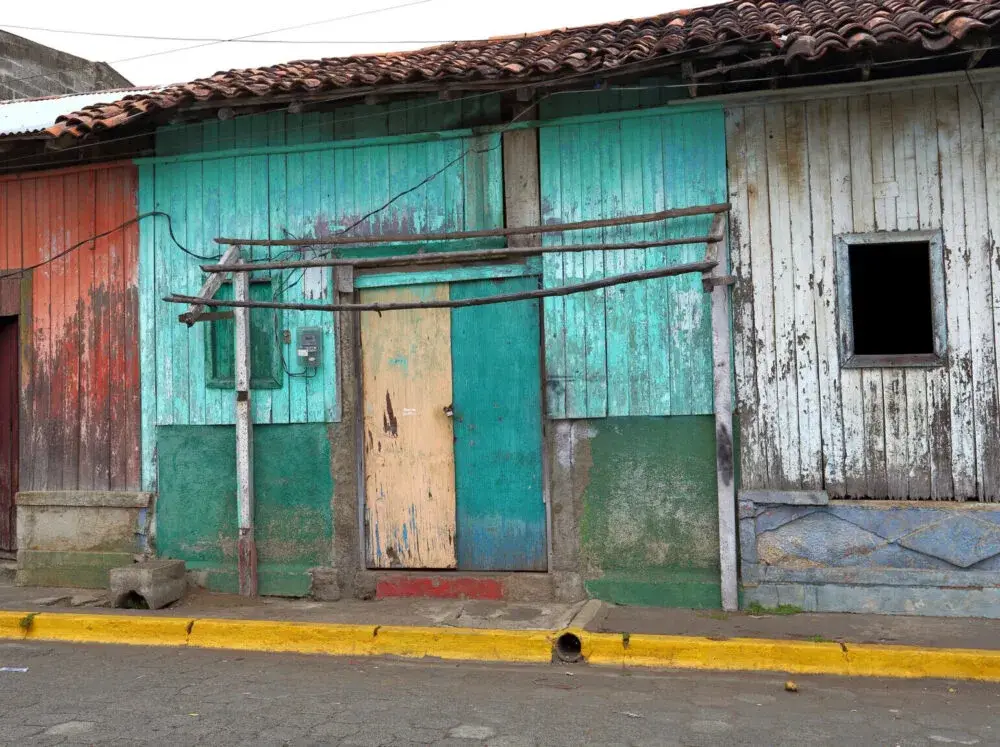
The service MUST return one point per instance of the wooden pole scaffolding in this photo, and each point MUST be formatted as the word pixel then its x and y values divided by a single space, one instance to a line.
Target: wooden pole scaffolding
pixel 721 207
pixel 246 545
pixel 716 282
pixel 564 290
pixel 428 258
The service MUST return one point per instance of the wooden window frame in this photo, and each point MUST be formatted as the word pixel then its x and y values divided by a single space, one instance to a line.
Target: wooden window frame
pixel 275 379
pixel 845 317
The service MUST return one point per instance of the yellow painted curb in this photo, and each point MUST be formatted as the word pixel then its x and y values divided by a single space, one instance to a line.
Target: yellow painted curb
pixel 802 657
pixel 133 630
pixel 472 644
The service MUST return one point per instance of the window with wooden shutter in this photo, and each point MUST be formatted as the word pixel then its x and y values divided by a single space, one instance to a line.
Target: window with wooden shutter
pixel 265 355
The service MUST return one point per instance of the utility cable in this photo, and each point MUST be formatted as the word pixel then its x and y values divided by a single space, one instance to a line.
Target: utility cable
pixel 224 41
pixel 91 239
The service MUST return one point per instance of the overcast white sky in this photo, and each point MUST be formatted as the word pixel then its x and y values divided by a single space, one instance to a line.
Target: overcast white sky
pixel 428 22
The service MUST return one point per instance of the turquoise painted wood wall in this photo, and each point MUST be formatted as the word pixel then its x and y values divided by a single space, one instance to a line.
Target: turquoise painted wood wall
pixel 261 190
pixel 641 348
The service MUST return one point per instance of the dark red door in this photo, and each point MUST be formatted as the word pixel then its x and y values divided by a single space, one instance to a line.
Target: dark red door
pixel 8 431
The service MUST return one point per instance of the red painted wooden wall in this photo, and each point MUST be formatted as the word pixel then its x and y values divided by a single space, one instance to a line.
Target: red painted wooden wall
pixel 79 389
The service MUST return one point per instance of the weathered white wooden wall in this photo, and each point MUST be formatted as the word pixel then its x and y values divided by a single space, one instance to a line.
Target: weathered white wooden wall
pixel 801 173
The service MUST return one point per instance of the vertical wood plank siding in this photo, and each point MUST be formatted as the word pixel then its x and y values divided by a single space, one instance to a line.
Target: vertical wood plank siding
pixel 801 173
pixel 80 390
pixel 642 348
pixel 277 195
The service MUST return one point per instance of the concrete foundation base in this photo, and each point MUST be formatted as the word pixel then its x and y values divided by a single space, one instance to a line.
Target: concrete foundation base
pixel 889 557
pixel 74 537
pixel 157 582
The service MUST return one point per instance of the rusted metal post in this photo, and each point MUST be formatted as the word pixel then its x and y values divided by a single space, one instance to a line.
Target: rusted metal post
pixel 246 545
pixel 717 282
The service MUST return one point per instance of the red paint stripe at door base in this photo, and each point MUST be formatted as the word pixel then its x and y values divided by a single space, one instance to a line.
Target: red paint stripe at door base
pixel 440 588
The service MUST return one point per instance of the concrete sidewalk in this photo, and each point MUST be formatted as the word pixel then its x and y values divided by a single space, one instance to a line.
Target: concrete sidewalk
pixel 591 632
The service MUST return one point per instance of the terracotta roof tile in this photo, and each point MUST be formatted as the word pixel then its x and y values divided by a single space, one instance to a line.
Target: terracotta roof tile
pixel 802 29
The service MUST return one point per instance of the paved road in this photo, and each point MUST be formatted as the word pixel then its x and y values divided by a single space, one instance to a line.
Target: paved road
pixel 127 695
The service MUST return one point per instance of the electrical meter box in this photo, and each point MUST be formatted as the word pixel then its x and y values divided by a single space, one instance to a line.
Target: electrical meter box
pixel 309 346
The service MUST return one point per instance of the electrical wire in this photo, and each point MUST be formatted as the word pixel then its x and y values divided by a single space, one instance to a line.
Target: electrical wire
pixel 224 41
pixel 91 239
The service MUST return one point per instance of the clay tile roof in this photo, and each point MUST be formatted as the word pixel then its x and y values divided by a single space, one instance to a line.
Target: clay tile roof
pixel 794 29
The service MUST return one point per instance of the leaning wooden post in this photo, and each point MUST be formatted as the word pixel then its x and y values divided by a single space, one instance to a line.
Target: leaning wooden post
pixel 246 546
pixel 716 281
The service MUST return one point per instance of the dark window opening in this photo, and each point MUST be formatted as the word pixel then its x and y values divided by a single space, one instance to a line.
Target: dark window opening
pixel 891 298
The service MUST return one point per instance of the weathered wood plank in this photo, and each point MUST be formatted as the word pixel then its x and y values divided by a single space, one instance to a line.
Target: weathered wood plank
pixel 759 224
pixel 657 311
pixel 147 303
pixel 788 435
pixel 842 132
pixel 991 138
pixel 753 471
pixel 131 325
pixel 822 188
pixel 119 337
pixel 929 216
pixel 621 313
pixel 978 247
pixel 886 190
pixel 866 219
pixel 957 292
pixel 89 442
pixel 554 309
pixel 917 467
pixel 408 435
pixel 803 301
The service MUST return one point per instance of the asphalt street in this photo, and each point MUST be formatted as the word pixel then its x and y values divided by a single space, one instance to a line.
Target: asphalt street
pixel 76 694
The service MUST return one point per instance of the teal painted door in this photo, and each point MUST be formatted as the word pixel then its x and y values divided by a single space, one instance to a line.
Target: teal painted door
pixel 488 360
pixel 498 429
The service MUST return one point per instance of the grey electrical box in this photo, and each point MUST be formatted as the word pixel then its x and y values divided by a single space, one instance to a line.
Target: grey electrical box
pixel 309 346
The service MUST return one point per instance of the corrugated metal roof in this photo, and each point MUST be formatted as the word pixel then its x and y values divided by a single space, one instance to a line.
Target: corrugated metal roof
pixel 27 116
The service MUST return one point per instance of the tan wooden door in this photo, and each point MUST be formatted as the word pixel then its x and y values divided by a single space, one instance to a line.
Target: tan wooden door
pixel 409 441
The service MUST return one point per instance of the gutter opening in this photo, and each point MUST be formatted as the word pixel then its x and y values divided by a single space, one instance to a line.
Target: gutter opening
pixel 569 648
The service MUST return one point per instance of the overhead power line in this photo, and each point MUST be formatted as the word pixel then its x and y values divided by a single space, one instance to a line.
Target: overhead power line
pixel 201 45
pixel 222 40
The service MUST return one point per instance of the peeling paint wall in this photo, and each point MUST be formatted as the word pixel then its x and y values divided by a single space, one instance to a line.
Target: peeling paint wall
pixel 801 173
pixel 196 510
pixel 634 508
pixel 79 394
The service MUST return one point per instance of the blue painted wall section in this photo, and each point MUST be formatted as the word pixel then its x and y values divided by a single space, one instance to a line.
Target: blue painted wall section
pixel 604 350
pixel 498 429
pixel 873 556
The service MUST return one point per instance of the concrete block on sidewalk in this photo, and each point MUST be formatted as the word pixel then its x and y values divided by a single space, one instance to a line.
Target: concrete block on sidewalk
pixel 157 582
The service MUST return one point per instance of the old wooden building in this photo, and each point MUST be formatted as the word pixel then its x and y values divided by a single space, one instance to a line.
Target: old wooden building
pixel 583 444
pixel 69 434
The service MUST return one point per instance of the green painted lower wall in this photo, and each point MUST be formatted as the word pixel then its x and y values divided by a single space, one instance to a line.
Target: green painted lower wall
pixel 649 527
pixel 196 505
